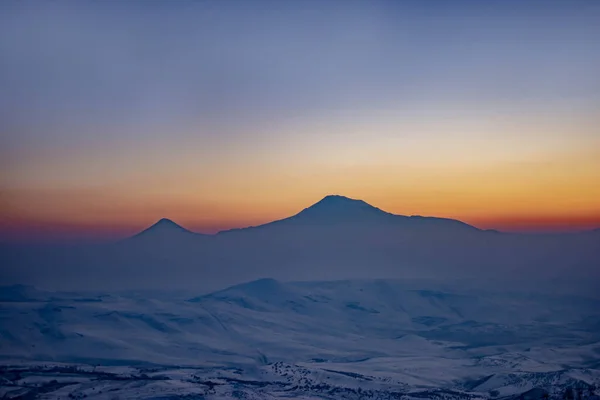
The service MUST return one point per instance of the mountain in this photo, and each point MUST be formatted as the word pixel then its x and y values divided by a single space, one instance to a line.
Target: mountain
pixel 335 238
pixel 164 227
pixel 166 230
pixel 336 210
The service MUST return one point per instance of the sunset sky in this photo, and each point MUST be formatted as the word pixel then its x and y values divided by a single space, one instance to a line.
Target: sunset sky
pixel 228 114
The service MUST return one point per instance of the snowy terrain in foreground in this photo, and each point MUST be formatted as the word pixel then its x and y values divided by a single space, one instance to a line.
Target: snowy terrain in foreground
pixel 267 339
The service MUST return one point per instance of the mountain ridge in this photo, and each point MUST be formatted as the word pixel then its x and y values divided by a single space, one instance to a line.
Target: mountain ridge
pixel 338 209
pixel 336 238
pixel 336 206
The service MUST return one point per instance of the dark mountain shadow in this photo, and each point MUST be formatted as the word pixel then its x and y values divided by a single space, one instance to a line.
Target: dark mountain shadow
pixel 164 227
pixel 336 210
pixel 336 238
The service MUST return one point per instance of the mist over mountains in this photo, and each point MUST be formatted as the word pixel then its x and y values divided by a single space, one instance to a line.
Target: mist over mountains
pixel 342 300
pixel 336 238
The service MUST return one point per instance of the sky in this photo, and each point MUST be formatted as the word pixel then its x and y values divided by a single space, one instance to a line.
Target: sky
pixel 231 113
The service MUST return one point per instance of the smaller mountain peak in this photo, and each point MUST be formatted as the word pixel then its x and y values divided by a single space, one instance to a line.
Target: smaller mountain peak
pixel 164 225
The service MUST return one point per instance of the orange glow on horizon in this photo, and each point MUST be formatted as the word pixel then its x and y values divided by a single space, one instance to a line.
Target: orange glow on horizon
pixel 508 183
pixel 19 229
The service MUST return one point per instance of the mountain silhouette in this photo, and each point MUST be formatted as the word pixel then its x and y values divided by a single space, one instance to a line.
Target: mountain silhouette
pixel 165 227
pixel 335 210
pixel 335 238
pixel 162 236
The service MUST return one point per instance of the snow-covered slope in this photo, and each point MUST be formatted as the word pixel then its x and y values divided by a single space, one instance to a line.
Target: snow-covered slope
pixel 328 338
pixel 269 320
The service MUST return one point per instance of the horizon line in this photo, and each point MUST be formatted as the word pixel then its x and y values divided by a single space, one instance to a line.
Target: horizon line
pixel 58 231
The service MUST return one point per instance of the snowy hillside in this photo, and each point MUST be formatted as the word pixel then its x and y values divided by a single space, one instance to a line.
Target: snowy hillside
pixel 336 338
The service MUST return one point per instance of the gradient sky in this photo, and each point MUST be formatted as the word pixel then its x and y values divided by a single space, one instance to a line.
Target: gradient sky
pixel 226 114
